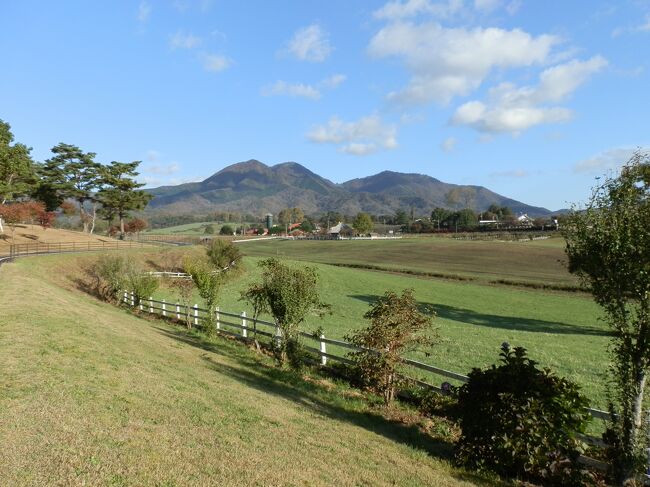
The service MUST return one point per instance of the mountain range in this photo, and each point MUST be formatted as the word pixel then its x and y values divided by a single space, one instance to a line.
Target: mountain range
pixel 253 187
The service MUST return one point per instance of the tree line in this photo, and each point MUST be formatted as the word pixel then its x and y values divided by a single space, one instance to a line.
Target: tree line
pixel 70 180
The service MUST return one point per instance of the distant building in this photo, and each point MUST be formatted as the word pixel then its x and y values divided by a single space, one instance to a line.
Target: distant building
pixel 339 230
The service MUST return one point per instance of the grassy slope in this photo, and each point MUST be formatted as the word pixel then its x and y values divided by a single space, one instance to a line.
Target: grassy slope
pixel 92 395
pixel 537 262
pixel 26 234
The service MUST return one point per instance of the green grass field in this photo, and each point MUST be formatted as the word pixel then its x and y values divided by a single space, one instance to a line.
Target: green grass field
pixel 561 330
pixel 193 229
pixel 92 395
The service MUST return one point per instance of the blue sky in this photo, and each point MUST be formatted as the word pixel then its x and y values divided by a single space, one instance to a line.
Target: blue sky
pixel 530 99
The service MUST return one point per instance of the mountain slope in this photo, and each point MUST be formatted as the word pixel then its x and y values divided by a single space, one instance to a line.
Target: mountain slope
pixel 254 187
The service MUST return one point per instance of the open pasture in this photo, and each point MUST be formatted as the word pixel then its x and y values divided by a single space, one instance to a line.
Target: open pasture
pixel 532 262
pixel 194 229
pixel 561 330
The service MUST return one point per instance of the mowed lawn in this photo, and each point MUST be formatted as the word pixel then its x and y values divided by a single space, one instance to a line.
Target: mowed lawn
pixel 537 262
pixel 92 395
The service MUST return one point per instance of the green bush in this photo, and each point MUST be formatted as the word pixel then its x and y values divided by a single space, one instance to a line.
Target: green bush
pixel 110 276
pixel 142 285
pixel 226 230
pixel 521 421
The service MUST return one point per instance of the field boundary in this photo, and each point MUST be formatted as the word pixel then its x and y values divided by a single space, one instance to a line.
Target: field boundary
pixel 37 248
pixel 241 326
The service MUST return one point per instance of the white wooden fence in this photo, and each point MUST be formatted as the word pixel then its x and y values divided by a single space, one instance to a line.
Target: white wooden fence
pixel 242 326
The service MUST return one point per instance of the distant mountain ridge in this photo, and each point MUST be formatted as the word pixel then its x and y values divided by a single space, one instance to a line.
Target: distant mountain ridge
pixel 253 187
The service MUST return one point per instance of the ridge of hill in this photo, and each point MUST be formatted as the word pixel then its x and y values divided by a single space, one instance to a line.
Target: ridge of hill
pixel 253 187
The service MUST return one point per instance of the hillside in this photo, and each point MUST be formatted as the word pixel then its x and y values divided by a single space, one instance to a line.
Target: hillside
pixel 254 187
pixel 34 234
pixel 93 395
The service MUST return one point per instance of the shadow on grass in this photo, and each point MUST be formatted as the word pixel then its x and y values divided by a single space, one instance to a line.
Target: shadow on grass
pixel 503 322
pixel 291 386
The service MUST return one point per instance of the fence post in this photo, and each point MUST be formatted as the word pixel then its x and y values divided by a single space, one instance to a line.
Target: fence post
pixel 278 335
pixel 323 350
pixel 244 324
pixel 164 308
pixel 178 312
pixel 126 297
pixel 140 304
pixel 218 318
pixel 132 299
pixel 196 314
pixel 150 305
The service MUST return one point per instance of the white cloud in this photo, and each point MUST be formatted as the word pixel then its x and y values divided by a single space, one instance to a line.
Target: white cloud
pixel 184 41
pixel 215 62
pixel 397 9
pixel 449 144
pixel 487 5
pixel 295 90
pixel 608 160
pixel 449 62
pixel 144 11
pixel 333 81
pixel 304 90
pixel 514 109
pixel 310 43
pixel 365 136
pixel 644 27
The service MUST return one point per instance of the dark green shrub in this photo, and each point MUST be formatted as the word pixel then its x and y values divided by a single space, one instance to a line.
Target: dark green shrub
pixel 226 230
pixel 521 421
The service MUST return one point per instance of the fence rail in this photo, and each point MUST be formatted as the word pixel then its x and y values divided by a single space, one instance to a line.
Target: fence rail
pixel 35 248
pixel 247 325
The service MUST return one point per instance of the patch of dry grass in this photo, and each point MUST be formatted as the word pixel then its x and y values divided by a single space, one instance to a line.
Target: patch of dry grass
pixel 31 234
pixel 92 395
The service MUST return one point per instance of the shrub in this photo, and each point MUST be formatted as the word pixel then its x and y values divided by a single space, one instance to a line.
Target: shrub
pixel 110 275
pixel 289 295
pixel 226 230
pixel 396 326
pixel 519 420
pixel 142 285
pixel 209 230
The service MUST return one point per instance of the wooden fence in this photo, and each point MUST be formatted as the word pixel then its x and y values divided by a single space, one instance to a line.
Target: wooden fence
pixel 35 248
pixel 242 326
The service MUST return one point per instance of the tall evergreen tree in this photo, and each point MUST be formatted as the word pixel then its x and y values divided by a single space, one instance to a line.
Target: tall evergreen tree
pixel 119 194
pixel 17 176
pixel 72 173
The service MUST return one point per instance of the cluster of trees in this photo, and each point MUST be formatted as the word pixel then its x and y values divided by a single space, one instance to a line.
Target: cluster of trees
pixel 109 191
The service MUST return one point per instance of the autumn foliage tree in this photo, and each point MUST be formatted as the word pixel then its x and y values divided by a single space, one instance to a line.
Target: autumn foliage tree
pixel 397 325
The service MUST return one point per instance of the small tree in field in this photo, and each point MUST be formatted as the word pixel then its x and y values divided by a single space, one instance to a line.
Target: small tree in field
pixel 362 223
pixel 397 325
pixel 223 261
pixel 608 245
pixel 185 289
pixel 289 295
